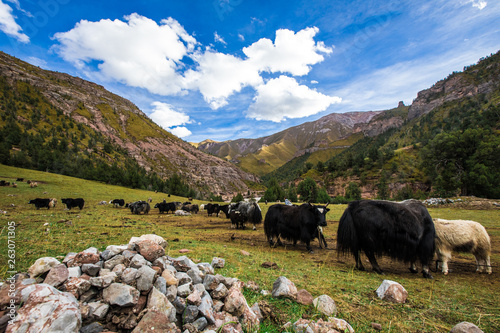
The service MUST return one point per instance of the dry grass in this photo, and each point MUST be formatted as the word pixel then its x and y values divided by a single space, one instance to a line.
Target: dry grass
pixel 433 306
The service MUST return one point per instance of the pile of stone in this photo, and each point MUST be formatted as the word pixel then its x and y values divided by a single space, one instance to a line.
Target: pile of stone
pixel 440 201
pixel 137 288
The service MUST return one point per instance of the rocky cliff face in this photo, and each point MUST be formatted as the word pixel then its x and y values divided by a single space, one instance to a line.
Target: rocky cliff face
pixel 453 88
pixel 127 126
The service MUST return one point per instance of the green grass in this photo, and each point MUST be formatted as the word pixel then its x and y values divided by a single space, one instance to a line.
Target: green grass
pixel 433 305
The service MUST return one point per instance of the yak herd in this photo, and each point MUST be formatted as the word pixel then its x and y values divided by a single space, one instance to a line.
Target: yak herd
pixel 403 231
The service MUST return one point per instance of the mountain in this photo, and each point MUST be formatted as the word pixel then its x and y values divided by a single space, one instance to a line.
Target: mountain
pixel 324 136
pixel 448 144
pixel 101 126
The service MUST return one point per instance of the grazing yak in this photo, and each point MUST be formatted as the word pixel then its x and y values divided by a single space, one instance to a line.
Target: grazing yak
pixel 190 208
pixel 403 231
pixel 165 207
pixel 70 202
pixel 295 223
pixel 139 207
pixel 462 236
pixel 43 203
pixel 117 202
pixel 212 209
pixel 242 212
pixel 225 209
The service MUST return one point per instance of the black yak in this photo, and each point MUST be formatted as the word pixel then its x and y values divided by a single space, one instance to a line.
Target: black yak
pixel 139 207
pixel 295 223
pixel 242 212
pixel 70 202
pixel 403 231
pixel 165 207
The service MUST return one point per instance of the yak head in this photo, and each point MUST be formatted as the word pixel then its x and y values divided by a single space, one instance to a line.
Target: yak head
pixel 319 214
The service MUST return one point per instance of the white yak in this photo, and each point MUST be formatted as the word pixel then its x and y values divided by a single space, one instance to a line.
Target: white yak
pixel 462 236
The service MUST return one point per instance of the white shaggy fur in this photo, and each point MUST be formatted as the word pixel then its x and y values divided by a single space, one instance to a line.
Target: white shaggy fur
pixel 462 236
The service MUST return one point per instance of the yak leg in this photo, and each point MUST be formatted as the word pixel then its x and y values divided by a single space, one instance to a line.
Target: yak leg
pixel 488 265
pixel 359 265
pixel 444 257
pixel 413 267
pixel 373 262
pixel 308 247
pixel 425 272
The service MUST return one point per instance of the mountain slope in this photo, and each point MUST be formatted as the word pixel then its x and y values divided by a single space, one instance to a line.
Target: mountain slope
pixel 40 101
pixel 449 143
pixel 266 154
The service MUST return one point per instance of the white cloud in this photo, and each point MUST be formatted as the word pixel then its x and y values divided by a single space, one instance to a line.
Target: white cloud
pixel 141 53
pixel 36 61
pixel 219 39
pixel 164 115
pixel 283 98
pixel 219 75
pixel 9 25
pixel 137 52
pixel 291 52
pixel 241 37
pixel 180 131
pixel 479 4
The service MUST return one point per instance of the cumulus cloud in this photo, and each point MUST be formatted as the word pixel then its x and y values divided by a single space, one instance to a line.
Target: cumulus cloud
pixel 171 120
pixel 283 98
pixel 291 52
pixel 180 131
pixel 130 51
pixel 219 75
pixel 9 25
pixel 141 53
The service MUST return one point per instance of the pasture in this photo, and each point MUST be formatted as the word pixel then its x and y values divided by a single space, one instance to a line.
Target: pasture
pixel 433 305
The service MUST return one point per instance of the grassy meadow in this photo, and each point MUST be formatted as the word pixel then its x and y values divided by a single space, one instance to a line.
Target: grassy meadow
pixel 433 305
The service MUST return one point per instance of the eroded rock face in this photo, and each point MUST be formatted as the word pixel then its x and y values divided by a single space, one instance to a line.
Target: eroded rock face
pixel 48 310
pixel 454 88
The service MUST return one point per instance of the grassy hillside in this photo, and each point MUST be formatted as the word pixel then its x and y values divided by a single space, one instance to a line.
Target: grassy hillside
pixel 451 150
pixel 433 305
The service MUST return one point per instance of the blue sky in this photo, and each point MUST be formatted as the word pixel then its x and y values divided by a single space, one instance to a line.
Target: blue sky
pixel 229 69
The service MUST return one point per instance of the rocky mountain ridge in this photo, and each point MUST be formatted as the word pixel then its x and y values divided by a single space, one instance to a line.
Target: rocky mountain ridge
pixel 128 127
pixel 328 132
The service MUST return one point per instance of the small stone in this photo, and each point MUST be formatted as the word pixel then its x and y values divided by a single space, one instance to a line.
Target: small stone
pixel 218 262
pixel 465 327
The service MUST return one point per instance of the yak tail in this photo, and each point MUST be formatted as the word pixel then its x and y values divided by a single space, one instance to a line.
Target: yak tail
pixel 347 239
pixel 256 217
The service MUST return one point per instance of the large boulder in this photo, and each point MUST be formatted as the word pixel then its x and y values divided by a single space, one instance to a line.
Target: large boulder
pixel 46 309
